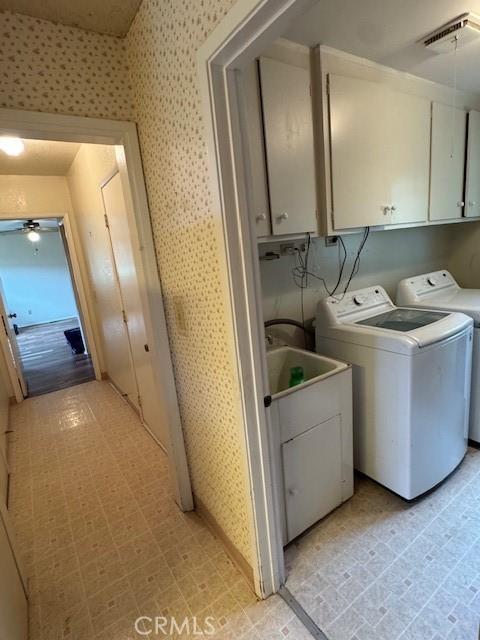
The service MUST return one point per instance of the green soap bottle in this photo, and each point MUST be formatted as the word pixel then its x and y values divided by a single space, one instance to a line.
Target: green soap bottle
pixel 296 376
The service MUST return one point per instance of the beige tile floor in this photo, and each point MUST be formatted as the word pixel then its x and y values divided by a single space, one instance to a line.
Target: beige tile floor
pixel 101 538
pixel 381 569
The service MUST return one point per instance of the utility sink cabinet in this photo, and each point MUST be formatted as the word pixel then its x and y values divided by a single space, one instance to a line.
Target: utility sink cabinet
pixel 312 436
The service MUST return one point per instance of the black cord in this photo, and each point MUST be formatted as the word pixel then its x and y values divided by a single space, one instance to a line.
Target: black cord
pixel 356 263
pixel 300 272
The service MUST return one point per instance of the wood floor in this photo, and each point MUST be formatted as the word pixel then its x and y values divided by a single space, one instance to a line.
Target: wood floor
pixel 48 361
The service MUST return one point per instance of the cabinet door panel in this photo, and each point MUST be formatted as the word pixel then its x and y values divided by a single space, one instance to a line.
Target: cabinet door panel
pixel 447 162
pixel 472 190
pixel 287 112
pixel 250 89
pixel 359 153
pixel 409 148
pixel 312 464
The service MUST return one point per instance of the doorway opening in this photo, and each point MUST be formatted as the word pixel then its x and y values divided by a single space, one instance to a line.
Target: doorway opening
pixel 86 176
pixel 40 302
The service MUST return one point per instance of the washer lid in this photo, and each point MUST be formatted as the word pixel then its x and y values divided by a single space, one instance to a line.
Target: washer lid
pixel 403 320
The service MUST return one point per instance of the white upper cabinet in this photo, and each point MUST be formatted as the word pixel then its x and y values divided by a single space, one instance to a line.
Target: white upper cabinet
pixel 409 157
pixel 358 133
pixel 472 181
pixel 380 148
pixel 288 128
pixel 258 186
pixel 447 162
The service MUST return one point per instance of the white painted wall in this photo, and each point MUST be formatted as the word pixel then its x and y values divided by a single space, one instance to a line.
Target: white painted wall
pixel 93 164
pixel 387 257
pixel 464 260
pixel 32 196
pixel 36 279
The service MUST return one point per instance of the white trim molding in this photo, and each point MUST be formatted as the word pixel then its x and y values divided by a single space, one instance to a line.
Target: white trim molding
pixel 46 126
pixel 244 33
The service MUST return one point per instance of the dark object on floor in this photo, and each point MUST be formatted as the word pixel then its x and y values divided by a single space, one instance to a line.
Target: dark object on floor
pixel 15 328
pixel 74 339
pixel 47 358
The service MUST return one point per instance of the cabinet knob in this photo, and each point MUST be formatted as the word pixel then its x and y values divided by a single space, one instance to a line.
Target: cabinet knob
pixel 261 217
pixel 293 492
pixel 282 216
pixel 471 203
pixel 386 210
pixel 460 204
pixel 393 208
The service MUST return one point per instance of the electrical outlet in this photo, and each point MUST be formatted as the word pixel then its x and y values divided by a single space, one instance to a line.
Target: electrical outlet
pixel 331 241
pixel 287 249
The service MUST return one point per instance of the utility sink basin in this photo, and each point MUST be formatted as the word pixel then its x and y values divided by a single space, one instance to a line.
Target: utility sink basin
pixel 311 430
pixel 315 367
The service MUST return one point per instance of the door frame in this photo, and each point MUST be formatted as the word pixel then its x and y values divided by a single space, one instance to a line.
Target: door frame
pixel 74 269
pixel 247 30
pixel 48 126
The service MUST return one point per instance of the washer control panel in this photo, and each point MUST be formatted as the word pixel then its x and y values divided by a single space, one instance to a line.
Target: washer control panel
pixel 359 301
pixel 429 283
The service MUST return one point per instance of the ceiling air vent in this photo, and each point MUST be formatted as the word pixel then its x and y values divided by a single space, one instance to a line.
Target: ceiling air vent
pixel 463 30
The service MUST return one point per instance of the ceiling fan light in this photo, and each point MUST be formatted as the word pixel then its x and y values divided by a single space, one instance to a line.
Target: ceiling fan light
pixel 11 146
pixel 33 236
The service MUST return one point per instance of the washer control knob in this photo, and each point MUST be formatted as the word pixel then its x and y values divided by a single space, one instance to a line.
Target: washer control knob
pixel 431 282
pixel 358 301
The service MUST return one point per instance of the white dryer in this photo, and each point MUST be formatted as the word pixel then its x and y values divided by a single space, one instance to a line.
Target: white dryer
pixel 411 384
pixel 439 290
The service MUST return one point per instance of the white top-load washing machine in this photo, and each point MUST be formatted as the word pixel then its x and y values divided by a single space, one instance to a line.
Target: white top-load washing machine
pixel 411 385
pixel 439 290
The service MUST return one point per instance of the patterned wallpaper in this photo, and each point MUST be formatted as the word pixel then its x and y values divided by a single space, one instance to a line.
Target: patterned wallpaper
pixel 161 48
pixel 49 67
pixel 53 68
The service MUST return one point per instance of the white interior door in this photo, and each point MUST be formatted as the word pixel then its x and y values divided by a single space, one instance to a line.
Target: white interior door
pixel 447 162
pixel 13 599
pixel 409 149
pixel 10 350
pixel 123 252
pixel 472 183
pixel 116 347
pixel 288 123
pixel 359 134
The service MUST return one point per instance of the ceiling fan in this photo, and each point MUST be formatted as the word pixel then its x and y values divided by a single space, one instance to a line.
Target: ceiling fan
pixel 31 228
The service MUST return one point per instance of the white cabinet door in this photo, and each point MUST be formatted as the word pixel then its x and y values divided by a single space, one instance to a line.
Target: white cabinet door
pixel 288 125
pixel 312 464
pixel 409 151
pixel 472 182
pixel 447 162
pixel 359 130
pixel 129 284
pixel 260 205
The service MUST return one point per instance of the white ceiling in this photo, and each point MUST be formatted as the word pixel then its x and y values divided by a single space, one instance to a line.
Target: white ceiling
pixel 113 17
pixel 14 225
pixel 40 158
pixel 388 31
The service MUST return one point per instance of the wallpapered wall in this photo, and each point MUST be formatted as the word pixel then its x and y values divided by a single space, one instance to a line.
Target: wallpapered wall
pixel 52 68
pixel 49 67
pixel 161 48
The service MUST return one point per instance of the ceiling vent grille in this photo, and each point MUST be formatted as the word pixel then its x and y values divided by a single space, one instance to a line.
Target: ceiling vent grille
pixel 455 34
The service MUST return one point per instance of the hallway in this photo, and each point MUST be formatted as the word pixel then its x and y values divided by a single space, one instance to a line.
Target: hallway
pixel 101 538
